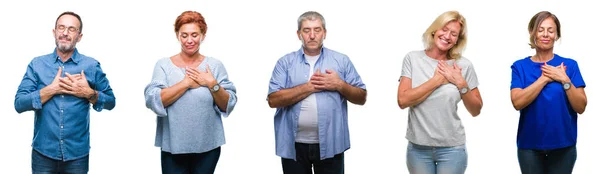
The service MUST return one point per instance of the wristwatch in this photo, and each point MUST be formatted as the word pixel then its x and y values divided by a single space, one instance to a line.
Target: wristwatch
pixel 215 88
pixel 93 96
pixel 567 85
pixel 464 90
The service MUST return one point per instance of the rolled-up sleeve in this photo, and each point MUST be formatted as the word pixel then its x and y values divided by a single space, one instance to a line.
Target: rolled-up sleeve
pixel 28 96
pixel 152 91
pixel 351 76
pixel 223 80
pixel 106 97
pixel 279 76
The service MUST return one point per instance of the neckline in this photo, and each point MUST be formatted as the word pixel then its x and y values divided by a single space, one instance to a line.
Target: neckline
pixel 173 64
pixel 530 58
pixel 436 60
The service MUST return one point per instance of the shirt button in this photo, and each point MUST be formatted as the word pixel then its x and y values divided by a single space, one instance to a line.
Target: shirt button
pixel 61 126
pixel 62 96
pixel 61 141
pixel 61 111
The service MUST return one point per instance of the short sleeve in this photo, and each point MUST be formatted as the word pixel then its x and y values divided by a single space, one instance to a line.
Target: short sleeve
pixel 575 75
pixel 516 80
pixel 406 67
pixel 279 76
pixel 471 76
pixel 352 77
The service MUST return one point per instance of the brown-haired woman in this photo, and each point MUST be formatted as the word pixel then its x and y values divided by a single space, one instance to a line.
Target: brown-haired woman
pixel 547 89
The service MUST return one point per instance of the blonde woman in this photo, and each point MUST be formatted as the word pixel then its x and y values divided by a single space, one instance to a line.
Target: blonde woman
pixel 432 83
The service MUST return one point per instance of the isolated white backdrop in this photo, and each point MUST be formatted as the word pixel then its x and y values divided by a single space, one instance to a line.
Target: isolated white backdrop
pixel 127 37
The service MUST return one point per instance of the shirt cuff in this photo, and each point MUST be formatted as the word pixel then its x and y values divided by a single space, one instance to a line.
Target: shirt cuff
pixel 36 100
pixel 230 105
pixel 99 102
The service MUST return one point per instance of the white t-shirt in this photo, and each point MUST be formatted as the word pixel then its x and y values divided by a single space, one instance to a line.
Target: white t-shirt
pixel 435 121
pixel 308 131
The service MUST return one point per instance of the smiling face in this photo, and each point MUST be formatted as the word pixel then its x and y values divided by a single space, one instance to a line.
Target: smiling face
pixel 447 36
pixel 545 34
pixel 66 33
pixel 190 37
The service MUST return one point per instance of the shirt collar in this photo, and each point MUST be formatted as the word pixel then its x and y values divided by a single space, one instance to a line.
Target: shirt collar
pixel 76 57
pixel 301 53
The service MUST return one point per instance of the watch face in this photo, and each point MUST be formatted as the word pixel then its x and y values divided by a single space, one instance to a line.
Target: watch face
pixel 464 90
pixel 215 88
pixel 566 86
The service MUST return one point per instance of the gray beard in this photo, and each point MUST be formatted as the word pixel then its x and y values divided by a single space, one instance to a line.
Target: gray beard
pixel 65 48
pixel 304 46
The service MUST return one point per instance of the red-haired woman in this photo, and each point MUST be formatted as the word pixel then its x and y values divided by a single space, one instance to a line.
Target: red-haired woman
pixel 190 93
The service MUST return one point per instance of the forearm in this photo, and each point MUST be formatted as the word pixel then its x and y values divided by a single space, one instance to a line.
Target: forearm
pixel 414 96
pixel 354 94
pixel 93 97
pixel 473 102
pixel 221 98
pixel 523 97
pixel 286 97
pixel 577 99
pixel 171 94
pixel 46 94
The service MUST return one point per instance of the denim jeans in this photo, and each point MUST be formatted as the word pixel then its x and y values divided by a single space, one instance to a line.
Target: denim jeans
pixel 436 160
pixel 200 163
pixel 307 157
pixel 559 161
pixel 41 164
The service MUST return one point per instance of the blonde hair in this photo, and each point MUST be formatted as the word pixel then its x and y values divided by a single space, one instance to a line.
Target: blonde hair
pixel 456 51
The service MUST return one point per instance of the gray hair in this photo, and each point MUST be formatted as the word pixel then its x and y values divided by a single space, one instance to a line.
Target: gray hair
pixel 311 15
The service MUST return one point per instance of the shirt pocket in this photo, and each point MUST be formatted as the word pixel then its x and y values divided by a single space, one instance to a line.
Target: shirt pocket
pixel 90 74
pixel 297 75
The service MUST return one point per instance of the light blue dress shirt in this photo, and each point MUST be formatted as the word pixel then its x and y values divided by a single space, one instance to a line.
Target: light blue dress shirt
pixel 292 70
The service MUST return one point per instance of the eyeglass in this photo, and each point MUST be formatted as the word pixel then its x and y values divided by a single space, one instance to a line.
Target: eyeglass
pixel 61 28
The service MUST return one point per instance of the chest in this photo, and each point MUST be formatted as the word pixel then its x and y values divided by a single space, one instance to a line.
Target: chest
pixel 46 73
pixel 198 95
pixel 301 72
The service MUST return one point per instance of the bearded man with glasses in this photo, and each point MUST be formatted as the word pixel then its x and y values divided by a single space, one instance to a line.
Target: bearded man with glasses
pixel 59 88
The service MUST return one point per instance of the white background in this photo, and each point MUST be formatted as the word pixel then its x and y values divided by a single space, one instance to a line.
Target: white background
pixel 250 36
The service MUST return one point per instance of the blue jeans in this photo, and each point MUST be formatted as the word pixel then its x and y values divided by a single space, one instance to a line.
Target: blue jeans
pixel 307 157
pixel 190 162
pixel 559 161
pixel 436 160
pixel 41 164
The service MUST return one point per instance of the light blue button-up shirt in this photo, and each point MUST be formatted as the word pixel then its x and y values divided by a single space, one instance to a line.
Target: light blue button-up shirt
pixel 62 124
pixel 292 70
